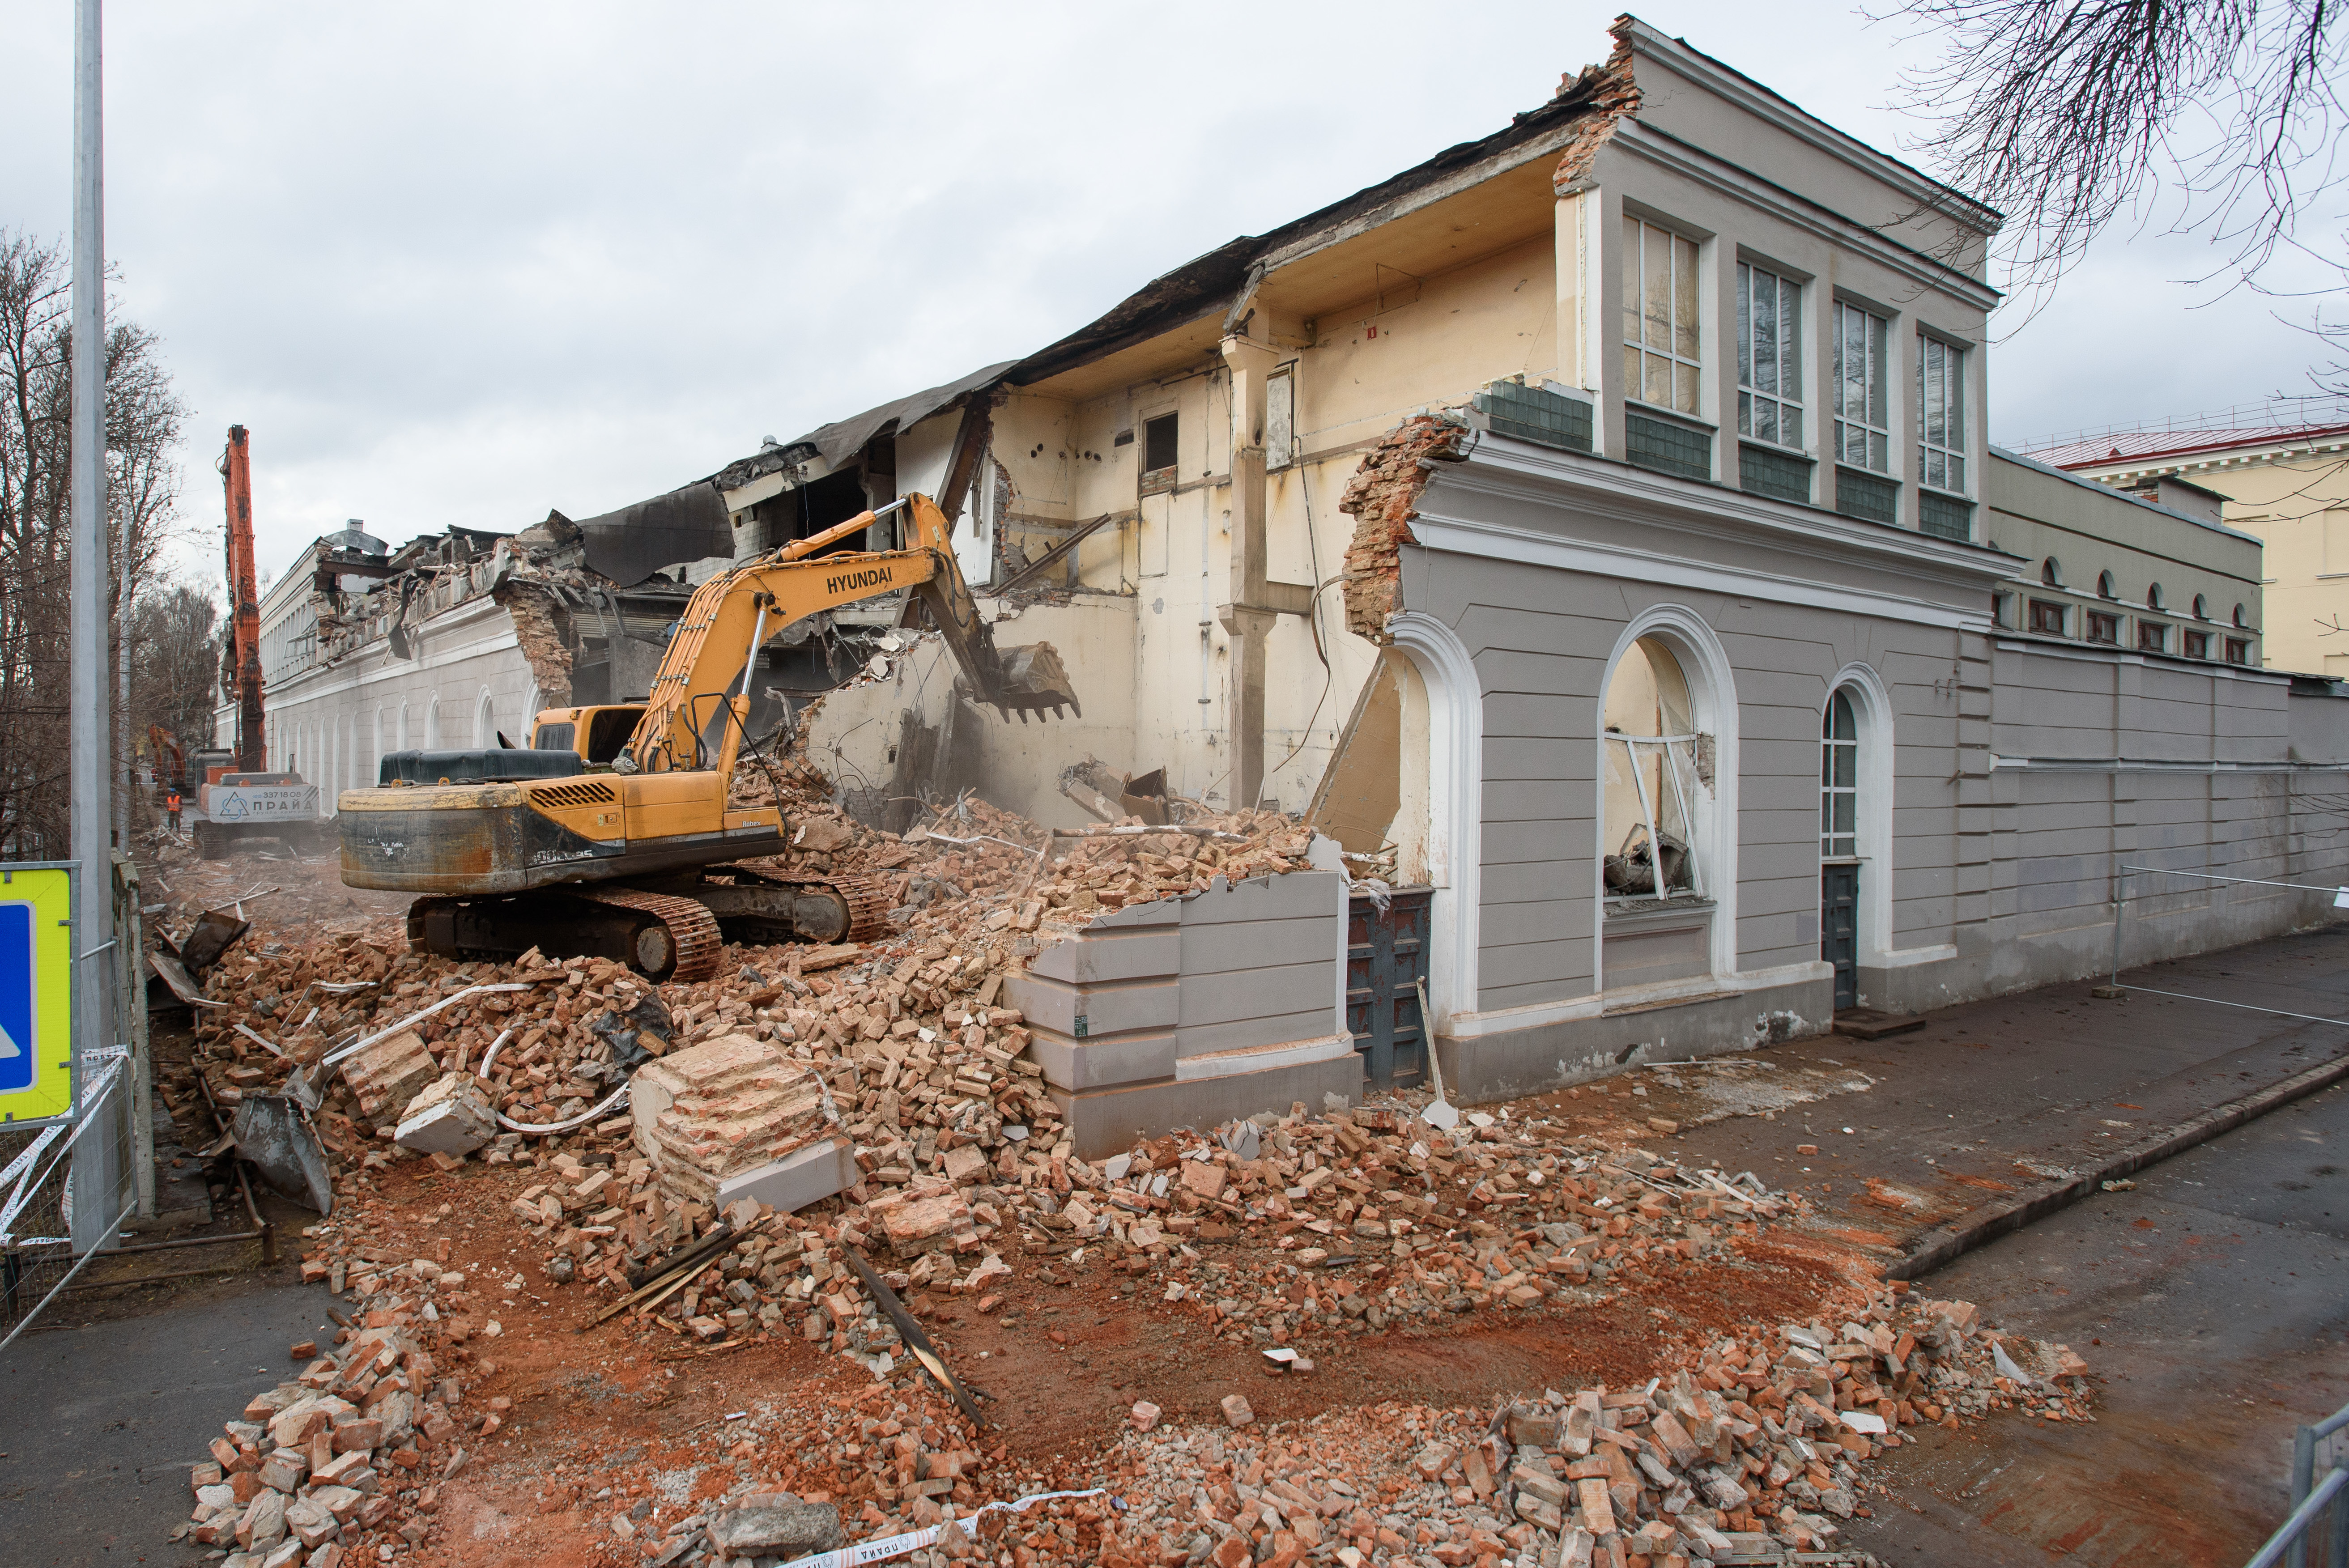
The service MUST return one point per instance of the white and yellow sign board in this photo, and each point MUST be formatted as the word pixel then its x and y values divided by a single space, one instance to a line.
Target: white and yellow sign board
pixel 36 991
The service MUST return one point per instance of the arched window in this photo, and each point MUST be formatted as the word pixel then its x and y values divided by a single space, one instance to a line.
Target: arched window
pixel 2240 619
pixel 432 725
pixel 2201 607
pixel 485 720
pixel 1838 779
pixel 1650 774
pixel 2104 586
pixel 2051 572
pixel 403 726
pixel 1667 829
pixel 2153 598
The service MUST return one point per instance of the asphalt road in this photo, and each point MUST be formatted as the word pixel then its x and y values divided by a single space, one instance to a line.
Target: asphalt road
pixel 1999 1095
pixel 2212 1303
pixel 98 1425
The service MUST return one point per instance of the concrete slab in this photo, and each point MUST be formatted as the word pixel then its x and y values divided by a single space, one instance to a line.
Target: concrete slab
pixel 816 1172
pixel 1107 1120
pixel 1105 955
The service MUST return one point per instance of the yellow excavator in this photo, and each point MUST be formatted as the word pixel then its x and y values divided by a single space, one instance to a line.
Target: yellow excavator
pixel 611 833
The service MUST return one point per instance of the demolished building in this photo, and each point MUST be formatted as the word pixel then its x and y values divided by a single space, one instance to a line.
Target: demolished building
pixel 1594 530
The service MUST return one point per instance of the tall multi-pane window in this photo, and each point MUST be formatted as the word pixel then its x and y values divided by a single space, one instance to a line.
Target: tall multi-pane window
pixel 1838 779
pixel 1660 318
pixel 1769 357
pixel 1941 414
pixel 1863 426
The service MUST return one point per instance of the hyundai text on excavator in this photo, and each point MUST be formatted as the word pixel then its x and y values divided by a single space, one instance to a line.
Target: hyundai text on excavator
pixel 587 843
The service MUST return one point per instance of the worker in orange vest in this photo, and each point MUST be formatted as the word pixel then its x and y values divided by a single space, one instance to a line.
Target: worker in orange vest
pixel 171 804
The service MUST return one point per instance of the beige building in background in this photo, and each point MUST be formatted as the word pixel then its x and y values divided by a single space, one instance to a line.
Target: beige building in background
pixel 2286 483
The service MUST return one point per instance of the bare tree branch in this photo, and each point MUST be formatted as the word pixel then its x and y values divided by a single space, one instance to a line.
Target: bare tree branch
pixel 2222 117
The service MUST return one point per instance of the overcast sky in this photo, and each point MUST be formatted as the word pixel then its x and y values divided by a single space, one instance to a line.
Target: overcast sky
pixel 462 264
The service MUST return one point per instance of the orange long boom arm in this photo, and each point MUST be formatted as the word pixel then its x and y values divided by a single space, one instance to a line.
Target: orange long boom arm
pixel 737 612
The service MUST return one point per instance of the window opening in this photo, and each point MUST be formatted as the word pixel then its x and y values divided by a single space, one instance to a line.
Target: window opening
pixel 2201 607
pixel 1279 419
pixel 1654 761
pixel 1840 780
pixel 2051 572
pixel 1863 416
pixel 2240 620
pixel 2152 637
pixel 2104 628
pixel 2153 597
pixel 2238 650
pixel 1661 363
pixel 1158 447
pixel 1941 414
pixel 1769 357
pixel 2197 645
pixel 2106 588
pixel 2047 617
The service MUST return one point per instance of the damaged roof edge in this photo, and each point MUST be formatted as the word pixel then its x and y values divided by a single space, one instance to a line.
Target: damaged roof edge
pixel 687 524
pixel 843 439
pixel 1205 284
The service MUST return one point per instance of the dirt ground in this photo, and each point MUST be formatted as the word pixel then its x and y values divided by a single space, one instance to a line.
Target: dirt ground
pixel 606 1435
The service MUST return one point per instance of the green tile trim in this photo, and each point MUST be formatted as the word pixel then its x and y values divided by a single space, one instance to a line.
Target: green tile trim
pixel 1779 475
pixel 1666 447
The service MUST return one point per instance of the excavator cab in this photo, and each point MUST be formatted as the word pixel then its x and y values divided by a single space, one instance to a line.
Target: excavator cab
pixel 598 734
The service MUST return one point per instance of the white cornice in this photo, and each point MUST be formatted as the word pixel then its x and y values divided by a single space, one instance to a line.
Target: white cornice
pixel 1669 151
pixel 2211 460
pixel 1507 469
pixel 1765 105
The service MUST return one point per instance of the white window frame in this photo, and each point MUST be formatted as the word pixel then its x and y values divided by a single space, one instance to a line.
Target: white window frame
pixel 1683 260
pixel 1786 403
pixel 1838 844
pixel 1870 423
pixel 1946 457
pixel 1678 767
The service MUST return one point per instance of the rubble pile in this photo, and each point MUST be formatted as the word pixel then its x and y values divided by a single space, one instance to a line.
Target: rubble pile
pixel 1496 1214
pixel 353 1451
pixel 902 1041
pixel 1755 1454
pixel 975 870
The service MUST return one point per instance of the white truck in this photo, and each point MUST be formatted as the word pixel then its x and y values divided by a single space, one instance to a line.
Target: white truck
pixel 232 806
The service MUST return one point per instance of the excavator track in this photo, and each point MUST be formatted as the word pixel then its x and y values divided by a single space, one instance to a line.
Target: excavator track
pixel 691 928
pixel 868 904
pixel 680 941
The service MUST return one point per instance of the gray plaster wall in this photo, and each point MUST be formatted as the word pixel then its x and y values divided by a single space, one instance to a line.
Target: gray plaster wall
pixel 2020 773
pixel 1173 1013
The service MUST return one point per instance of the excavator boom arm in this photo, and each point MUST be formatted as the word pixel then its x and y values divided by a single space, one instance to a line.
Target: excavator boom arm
pixel 704 675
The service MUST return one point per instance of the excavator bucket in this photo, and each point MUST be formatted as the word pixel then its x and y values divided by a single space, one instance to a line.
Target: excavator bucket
pixel 1034 681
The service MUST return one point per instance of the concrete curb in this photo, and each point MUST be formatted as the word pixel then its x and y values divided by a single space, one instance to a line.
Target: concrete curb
pixel 1944 1243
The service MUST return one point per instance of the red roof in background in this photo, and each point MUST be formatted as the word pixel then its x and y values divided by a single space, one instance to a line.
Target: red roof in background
pixel 2149 446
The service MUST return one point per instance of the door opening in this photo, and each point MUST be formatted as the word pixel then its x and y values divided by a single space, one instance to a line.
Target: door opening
pixel 1840 929
pixel 1386 957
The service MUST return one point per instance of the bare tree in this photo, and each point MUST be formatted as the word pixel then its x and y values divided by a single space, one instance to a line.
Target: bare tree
pixel 143 419
pixel 2222 117
pixel 174 680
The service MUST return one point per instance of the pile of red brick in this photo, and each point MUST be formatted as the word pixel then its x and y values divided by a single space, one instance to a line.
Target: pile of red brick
pixel 1756 1453
pixel 353 1449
